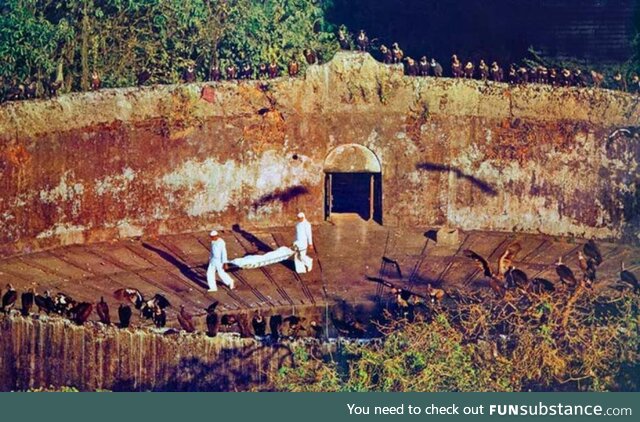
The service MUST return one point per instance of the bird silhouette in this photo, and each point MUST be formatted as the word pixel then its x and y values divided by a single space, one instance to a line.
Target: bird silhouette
pixel 566 274
pixel 186 320
pixel 259 325
pixel 124 314
pixel 103 311
pixel 80 313
pixel 27 299
pixel 45 302
pixel 9 299
pixel 212 320
pixel 131 295
pixel 628 277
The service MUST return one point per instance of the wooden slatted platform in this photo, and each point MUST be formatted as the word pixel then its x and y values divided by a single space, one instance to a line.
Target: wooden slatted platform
pixel 348 250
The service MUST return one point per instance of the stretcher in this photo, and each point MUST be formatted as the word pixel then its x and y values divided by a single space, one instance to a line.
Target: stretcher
pixel 256 261
pixel 281 254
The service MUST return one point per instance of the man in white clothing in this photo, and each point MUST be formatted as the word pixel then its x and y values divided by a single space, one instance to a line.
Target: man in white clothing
pixel 217 260
pixel 304 241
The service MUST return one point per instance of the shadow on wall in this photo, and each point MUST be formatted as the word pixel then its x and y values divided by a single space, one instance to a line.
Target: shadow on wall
pixel 281 195
pixel 481 184
pixel 233 370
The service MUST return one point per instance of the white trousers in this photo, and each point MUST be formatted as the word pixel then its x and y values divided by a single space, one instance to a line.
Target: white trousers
pixel 302 261
pixel 216 267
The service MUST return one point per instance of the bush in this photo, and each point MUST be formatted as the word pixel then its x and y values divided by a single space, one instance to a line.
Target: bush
pixel 569 341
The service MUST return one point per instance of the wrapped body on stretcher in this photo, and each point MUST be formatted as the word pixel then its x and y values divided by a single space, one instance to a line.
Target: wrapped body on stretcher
pixel 281 254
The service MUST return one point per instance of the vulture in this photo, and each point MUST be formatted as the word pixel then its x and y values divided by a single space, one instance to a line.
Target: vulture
pixel 396 53
pixel 628 277
pixel 63 304
pixel 103 311
pixel 158 301
pixel 124 314
pixel 228 320
pixel 542 285
pixel 592 251
pixel 294 323
pixel 516 278
pixel 565 274
pixel 468 70
pixel 423 66
pixel 159 317
pixel 402 297
pixel 186 320
pixel 243 326
pixel 9 299
pixel 504 263
pixel 456 67
pixel 259 325
pixel 212 324
pixel 275 322
pixel 212 308
pixel 507 257
pixel 130 295
pixel 45 302
pixel 293 68
pixel 316 329
pixel 494 282
pixel 343 40
pixel 309 55
pixel 436 68
pixel 151 307
pixel 362 41
pixel 387 55
pixel 436 295
pixel 588 267
pixel 80 312
pixel 212 320
pixel 27 299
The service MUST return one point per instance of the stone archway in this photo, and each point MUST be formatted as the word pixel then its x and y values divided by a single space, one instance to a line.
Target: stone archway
pixel 353 182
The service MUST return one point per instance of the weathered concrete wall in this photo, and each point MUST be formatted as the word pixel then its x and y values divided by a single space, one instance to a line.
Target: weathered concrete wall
pixel 119 163
pixel 40 354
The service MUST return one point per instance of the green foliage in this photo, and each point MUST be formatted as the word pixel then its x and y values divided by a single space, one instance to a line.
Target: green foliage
pixel 28 40
pixel 265 31
pixel 119 38
pixel 579 341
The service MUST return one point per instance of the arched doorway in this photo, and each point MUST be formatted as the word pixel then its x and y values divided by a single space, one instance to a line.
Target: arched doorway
pixel 353 182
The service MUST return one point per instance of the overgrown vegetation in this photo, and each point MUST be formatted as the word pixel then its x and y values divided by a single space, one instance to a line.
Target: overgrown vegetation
pixel 120 38
pixel 565 341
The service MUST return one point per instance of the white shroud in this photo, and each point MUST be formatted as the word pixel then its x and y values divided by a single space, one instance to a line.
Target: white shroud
pixel 257 261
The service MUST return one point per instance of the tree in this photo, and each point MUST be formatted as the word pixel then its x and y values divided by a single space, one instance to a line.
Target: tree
pixel 29 42
pixel 119 38
pixel 278 31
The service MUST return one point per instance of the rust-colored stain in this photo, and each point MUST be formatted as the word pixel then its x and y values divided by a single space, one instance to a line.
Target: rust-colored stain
pixel 270 127
pixel 164 160
pixel 16 156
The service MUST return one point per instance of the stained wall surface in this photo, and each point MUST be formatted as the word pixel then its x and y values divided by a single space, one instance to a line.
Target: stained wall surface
pixel 37 354
pixel 143 161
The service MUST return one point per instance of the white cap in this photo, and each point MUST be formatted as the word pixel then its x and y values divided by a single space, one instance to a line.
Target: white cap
pixel 300 215
pixel 213 233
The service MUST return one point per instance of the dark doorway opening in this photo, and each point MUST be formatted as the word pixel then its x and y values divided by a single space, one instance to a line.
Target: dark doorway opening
pixel 354 193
